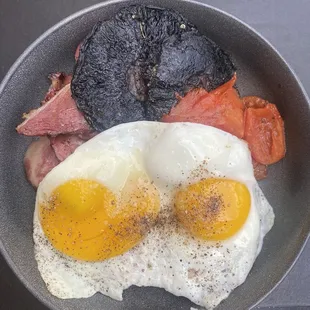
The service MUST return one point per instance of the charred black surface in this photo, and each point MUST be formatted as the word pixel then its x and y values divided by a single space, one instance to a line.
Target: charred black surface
pixel 131 67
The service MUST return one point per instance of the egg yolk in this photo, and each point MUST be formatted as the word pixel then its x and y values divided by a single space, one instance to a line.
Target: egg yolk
pixel 213 209
pixel 87 221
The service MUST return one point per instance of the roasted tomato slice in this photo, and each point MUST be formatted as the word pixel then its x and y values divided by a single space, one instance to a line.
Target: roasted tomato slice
pixel 264 132
pixel 221 108
pixel 254 102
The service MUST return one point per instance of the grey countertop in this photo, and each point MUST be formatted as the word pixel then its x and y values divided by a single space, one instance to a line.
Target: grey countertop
pixel 284 23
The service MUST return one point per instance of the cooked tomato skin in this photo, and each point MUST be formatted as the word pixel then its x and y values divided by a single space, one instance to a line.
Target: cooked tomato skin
pixel 254 102
pixel 264 132
pixel 221 108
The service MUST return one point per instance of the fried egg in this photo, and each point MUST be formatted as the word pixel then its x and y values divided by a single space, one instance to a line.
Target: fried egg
pixel 174 206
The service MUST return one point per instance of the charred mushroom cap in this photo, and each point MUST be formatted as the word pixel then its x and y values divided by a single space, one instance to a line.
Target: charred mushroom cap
pixel 131 66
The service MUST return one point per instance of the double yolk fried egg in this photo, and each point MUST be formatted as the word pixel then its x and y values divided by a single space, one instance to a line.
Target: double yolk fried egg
pixel 174 206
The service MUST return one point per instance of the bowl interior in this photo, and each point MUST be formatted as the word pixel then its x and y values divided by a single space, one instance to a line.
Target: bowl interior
pixel 261 71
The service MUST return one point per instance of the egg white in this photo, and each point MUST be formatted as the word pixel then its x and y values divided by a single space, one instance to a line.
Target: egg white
pixel 168 257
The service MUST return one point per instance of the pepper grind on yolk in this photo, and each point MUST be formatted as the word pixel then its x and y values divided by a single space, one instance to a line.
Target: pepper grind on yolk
pixel 213 209
pixel 85 220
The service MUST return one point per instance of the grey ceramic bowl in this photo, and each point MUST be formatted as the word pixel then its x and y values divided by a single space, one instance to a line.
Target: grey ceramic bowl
pixel 261 72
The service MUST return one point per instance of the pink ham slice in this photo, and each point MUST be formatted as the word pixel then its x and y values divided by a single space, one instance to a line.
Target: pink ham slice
pixel 39 160
pixel 77 52
pixel 65 145
pixel 59 115
pixel 58 81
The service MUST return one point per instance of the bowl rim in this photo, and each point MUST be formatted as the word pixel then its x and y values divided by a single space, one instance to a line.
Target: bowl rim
pixel 39 296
